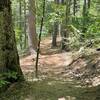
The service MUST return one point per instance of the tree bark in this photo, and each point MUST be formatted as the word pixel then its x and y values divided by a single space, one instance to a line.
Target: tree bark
pixel 55 29
pixel 89 4
pixel 20 23
pixel 25 26
pixel 74 7
pixel 65 31
pixel 85 13
pixel 54 34
pixel 9 59
pixel 32 36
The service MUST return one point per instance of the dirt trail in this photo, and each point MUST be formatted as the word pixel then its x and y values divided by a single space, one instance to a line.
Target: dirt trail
pixel 50 60
pixel 54 63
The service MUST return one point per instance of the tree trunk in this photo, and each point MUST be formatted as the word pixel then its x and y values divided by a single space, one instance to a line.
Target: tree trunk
pixel 25 33
pixel 84 29
pixel 32 36
pixel 74 7
pixel 54 34
pixel 20 23
pixel 65 31
pixel 55 29
pixel 9 59
pixel 89 4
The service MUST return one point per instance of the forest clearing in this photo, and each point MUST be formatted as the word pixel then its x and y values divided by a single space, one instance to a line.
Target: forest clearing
pixel 49 49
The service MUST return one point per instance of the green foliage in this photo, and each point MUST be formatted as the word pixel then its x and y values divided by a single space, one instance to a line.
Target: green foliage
pixel 3 83
pixel 94 29
pixel 84 19
pixel 11 75
pixel 5 76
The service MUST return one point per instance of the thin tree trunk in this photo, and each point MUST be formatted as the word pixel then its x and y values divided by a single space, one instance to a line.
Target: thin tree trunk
pixel 74 7
pixel 84 16
pixel 89 4
pixel 25 40
pixel 20 23
pixel 54 34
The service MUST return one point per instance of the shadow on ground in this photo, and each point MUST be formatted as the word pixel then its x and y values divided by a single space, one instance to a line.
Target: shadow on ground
pixel 50 89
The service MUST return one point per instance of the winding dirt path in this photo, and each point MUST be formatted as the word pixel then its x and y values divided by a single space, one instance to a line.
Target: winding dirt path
pixel 50 60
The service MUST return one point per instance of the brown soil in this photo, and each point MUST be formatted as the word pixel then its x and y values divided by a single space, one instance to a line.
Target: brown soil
pixel 55 63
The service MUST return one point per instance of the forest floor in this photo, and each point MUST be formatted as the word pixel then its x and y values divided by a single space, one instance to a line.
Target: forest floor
pixel 62 76
pixel 64 65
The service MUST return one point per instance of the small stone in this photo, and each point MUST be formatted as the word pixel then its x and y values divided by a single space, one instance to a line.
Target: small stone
pixel 61 98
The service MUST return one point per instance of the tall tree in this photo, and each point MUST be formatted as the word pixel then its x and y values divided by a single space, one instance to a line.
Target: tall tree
pixel 54 34
pixel 86 7
pixel 89 4
pixel 55 28
pixel 74 7
pixel 65 31
pixel 32 36
pixel 57 25
pixel 25 32
pixel 20 23
pixel 9 59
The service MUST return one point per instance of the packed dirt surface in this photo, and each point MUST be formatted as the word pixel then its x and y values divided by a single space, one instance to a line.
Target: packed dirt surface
pixel 67 65
pixel 51 60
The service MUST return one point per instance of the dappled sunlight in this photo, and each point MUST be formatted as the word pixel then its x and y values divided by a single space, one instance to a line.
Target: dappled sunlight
pixel 50 89
pixel 49 50
pixel 67 98
pixel 64 66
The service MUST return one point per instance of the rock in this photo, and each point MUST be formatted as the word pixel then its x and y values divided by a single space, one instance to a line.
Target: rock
pixel 61 98
pixel 96 81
